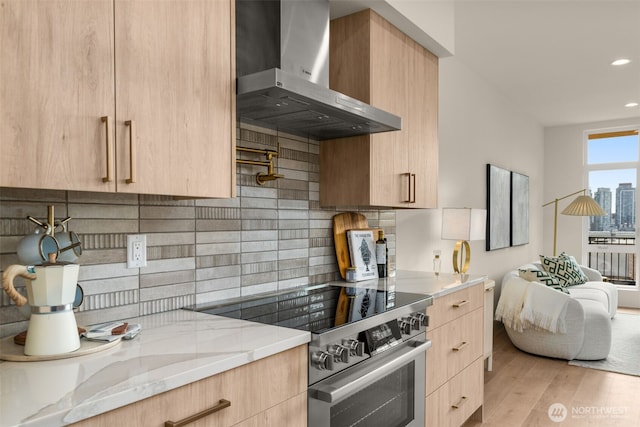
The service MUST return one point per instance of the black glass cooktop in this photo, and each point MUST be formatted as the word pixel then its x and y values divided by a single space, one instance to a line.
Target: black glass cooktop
pixel 315 308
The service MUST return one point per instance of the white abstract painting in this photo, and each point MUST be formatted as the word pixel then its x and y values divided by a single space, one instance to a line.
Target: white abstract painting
pixel 498 208
pixel 519 209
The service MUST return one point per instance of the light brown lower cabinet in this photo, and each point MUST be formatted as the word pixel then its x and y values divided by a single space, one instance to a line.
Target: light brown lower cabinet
pixel 269 392
pixel 293 412
pixel 455 368
pixel 458 399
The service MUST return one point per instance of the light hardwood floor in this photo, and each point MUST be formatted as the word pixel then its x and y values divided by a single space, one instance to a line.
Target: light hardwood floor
pixel 522 387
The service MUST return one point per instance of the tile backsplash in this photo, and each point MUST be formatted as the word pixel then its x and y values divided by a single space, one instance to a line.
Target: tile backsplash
pixel 270 237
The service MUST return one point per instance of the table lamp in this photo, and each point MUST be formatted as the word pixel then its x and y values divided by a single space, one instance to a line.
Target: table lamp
pixel 463 225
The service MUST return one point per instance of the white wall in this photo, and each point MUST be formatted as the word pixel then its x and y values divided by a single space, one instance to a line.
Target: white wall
pixel 430 23
pixel 564 161
pixel 477 125
pixel 416 17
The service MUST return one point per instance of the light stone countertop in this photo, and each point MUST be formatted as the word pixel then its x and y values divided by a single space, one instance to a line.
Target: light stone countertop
pixel 173 349
pixel 436 286
pixel 421 282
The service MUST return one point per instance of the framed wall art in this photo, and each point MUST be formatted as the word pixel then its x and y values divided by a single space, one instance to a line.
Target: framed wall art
pixel 498 208
pixel 519 209
pixel 507 208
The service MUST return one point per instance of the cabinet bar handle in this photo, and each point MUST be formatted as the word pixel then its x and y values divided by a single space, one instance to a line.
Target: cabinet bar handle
pixel 460 402
pixel 109 142
pixel 411 194
pixel 223 403
pixel 460 304
pixel 132 151
pixel 408 175
pixel 462 345
pixel 414 187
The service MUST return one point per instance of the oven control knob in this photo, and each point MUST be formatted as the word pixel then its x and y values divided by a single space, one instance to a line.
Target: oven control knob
pixel 415 322
pixel 340 353
pixel 422 318
pixel 405 325
pixel 322 360
pixel 356 348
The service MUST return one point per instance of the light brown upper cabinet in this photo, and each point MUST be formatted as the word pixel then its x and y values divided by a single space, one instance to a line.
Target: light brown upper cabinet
pixel 373 61
pixel 118 96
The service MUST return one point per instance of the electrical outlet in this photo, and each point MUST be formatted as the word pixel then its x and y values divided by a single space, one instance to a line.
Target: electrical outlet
pixel 136 250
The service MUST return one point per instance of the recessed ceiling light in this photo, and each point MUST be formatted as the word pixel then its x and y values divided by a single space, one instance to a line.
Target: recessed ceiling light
pixel 621 61
pixel 631 104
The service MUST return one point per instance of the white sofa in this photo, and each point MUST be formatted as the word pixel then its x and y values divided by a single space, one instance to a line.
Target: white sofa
pixel 585 320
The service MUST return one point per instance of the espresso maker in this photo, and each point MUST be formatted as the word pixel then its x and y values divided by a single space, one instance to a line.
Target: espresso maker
pixel 51 291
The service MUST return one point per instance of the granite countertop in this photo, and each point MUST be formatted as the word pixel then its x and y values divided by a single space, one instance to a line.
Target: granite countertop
pixel 173 349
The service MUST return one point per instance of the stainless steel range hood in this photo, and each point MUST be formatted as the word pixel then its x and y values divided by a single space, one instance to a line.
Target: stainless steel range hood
pixel 282 65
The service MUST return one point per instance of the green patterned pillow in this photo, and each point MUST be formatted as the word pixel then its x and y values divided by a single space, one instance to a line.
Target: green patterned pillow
pixel 565 268
pixel 535 275
pixel 571 258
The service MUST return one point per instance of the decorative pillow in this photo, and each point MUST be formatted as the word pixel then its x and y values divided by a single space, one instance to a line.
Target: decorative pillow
pixel 583 277
pixel 534 275
pixel 565 268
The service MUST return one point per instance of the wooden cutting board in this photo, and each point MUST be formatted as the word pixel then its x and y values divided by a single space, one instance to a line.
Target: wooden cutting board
pixel 341 223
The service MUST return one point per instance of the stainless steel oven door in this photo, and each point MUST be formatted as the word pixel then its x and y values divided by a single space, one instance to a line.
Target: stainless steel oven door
pixel 385 391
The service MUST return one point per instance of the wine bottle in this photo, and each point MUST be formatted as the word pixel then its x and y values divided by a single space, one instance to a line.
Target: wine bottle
pixel 381 254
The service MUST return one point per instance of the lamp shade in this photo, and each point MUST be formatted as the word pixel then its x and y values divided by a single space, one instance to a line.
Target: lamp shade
pixel 463 224
pixel 583 206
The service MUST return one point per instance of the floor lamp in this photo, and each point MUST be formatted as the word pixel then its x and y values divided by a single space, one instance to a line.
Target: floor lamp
pixel 583 205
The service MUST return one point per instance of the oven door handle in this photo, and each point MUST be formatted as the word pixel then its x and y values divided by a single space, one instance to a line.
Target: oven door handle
pixel 333 393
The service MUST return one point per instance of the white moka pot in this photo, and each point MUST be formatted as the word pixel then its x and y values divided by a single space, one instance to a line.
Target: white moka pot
pixel 51 291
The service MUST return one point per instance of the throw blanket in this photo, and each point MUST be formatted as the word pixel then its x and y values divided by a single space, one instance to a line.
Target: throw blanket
pixel 511 302
pixel 526 304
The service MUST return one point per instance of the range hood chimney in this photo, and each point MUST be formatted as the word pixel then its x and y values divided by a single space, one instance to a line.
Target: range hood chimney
pixel 282 66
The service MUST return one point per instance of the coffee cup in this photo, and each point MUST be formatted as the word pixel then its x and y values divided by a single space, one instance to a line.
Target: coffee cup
pixel 69 245
pixel 35 248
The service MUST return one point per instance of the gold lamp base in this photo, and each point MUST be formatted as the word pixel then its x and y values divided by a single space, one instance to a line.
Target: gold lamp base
pixel 458 266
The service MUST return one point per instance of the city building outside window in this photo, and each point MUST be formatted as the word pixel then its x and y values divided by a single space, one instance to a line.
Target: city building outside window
pixel 612 170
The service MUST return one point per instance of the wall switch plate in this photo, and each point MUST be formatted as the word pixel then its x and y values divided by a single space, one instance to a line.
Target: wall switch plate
pixel 136 250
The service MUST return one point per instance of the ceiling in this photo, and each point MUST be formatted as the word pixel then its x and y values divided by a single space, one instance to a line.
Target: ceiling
pixel 552 58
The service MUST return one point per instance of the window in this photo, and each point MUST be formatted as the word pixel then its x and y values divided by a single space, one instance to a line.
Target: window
pixel 612 175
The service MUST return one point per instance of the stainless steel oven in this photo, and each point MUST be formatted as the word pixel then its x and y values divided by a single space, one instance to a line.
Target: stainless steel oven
pixel 385 391
pixel 366 357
